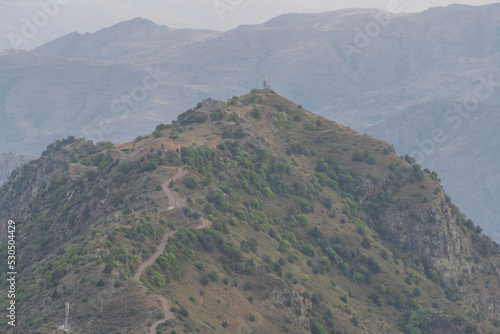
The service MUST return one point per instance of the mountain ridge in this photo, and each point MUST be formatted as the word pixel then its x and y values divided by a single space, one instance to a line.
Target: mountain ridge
pixel 123 41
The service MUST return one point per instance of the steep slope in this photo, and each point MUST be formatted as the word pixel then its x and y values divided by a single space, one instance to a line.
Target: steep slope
pixel 314 228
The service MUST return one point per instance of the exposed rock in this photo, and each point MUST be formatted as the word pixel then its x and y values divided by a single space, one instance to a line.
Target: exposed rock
pixel 210 105
pixel 433 230
pixel 286 297
pixel 371 188
pixel 77 170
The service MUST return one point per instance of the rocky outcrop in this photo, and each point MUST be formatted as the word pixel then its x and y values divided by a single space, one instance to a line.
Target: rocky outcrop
pixel 283 298
pixel 290 299
pixel 119 155
pixel 210 105
pixel 434 231
pixel 371 188
pixel 77 170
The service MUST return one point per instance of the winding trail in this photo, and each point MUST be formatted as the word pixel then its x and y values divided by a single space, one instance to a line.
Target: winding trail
pixel 152 259
pixel 173 203
pixel 165 304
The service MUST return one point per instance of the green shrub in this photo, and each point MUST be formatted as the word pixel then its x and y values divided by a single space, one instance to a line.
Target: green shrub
pixel 240 214
pixel 204 280
pixel 401 301
pixel 217 115
pixel 311 127
pixel 419 321
pixel 356 156
pixel 200 266
pixel 284 246
pixel 268 193
pixel 309 250
pixel 302 220
pixel 459 319
pixel 157 134
pixel 384 254
pixel 375 297
pixel 366 243
pixel 255 113
pixel 234 222
pixel 360 226
pixel 191 183
pixel 316 328
pixel 213 276
pixel 183 311
pixel 150 166
pixel 291 237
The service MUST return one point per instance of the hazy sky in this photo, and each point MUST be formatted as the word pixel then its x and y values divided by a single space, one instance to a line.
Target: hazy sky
pixel 91 15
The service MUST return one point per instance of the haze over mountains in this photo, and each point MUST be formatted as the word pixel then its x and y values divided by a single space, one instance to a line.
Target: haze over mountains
pixel 395 82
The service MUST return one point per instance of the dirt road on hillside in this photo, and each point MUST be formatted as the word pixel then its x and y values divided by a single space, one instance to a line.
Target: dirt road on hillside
pixel 173 203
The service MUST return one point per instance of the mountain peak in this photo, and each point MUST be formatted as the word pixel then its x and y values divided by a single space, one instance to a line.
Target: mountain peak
pixel 123 41
pixel 135 23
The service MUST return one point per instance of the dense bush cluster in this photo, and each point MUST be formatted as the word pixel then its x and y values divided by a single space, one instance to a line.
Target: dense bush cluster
pixel 187 241
pixel 335 176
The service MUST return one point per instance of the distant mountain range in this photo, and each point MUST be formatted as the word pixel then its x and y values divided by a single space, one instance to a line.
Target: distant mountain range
pixel 429 83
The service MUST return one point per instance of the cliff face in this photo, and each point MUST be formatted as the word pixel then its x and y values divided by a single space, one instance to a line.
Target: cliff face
pixel 439 233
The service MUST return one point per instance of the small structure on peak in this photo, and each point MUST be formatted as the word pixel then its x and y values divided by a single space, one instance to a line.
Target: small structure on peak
pixel 265 84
